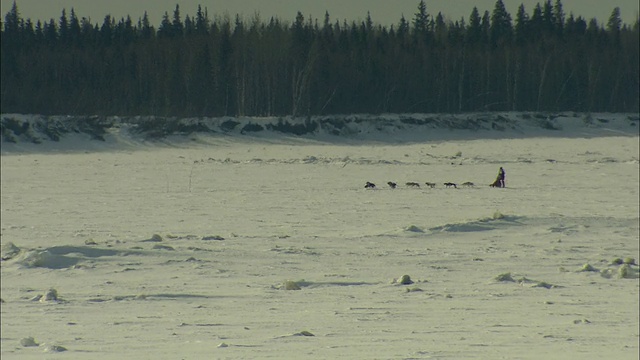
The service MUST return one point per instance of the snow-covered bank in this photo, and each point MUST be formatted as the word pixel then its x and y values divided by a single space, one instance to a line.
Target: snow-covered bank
pixel 38 129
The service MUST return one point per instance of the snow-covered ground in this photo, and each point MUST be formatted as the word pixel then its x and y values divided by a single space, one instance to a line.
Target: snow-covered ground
pixel 185 246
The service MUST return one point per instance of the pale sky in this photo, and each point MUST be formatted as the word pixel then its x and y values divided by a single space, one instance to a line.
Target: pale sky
pixel 385 12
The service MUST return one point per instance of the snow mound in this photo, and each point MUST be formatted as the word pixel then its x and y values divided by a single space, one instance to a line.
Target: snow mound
pixel 497 221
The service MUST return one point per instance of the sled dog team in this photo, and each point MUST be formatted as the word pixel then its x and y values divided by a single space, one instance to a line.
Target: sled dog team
pixel 499 182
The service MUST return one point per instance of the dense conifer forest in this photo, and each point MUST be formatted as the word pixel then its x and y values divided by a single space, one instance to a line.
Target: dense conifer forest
pixel 210 65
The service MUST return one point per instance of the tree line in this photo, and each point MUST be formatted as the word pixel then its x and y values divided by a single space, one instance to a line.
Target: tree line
pixel 203 66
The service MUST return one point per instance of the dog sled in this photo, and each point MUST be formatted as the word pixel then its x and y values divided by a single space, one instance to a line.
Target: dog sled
pixel 497 184
pixel 499 180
